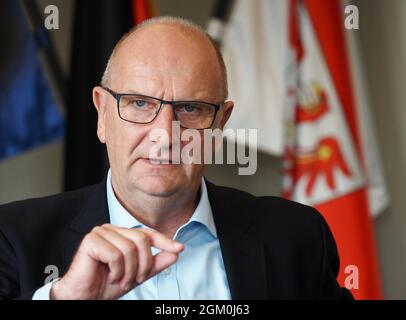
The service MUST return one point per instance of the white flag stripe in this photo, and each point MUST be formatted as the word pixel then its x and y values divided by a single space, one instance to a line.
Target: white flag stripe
pixel 313 71
pixel 253 46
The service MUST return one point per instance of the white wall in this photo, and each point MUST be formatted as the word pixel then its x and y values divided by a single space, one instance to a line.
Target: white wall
pixel 382 37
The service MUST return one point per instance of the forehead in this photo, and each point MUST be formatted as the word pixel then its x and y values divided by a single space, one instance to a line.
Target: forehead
pixel 162 55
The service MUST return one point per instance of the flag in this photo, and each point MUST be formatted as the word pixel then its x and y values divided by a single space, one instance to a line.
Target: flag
pixel 295 75
pixel 324 159
pixel 29 114
pixel 98 25
pixel 253 43
pixel 143 9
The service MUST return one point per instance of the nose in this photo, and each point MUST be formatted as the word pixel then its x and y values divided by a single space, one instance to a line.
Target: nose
pixel 164 119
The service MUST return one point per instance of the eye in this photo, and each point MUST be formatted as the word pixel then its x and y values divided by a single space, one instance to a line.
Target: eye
pixel 189 108
pixel 140 103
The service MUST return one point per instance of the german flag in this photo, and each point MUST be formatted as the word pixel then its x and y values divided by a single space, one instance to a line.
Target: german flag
pixel 98 25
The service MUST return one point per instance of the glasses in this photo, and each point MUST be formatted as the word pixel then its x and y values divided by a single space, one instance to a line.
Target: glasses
pixel 142 109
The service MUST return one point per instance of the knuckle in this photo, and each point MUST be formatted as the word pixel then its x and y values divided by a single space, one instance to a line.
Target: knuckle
pixel 90 237
pixel 96 229
pixel 142 239
pixel 117 256
pixel 89 242
pixel 129 248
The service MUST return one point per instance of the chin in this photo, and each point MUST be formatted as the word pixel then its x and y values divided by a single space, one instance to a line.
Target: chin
pixel 158 185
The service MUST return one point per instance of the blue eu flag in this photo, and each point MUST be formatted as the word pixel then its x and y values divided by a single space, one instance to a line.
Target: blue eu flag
pixel 29 115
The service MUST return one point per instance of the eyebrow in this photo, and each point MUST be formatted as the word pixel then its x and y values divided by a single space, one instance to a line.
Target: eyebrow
pixel 203 98
pixel 134 92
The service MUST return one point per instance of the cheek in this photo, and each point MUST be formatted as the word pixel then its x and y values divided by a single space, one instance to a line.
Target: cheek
pixel 123 139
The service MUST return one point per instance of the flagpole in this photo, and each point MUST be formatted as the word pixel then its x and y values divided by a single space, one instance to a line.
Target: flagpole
pixel 219 18
pixel 47 53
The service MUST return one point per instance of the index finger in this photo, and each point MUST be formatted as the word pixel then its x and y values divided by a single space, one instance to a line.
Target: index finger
pixel 163 242
pixel 156 238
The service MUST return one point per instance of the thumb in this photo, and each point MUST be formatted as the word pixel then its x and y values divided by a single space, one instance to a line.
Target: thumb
pixel 162 261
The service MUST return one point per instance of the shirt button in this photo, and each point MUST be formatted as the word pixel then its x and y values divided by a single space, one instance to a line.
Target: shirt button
pixel 167 271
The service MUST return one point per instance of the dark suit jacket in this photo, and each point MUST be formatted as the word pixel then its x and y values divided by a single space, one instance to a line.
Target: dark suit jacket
pixel 272 248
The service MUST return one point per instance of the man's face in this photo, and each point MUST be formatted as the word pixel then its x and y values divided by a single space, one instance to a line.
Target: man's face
pixel 163 62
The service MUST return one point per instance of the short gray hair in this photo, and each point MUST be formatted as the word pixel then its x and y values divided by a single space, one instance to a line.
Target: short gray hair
pixel 177 21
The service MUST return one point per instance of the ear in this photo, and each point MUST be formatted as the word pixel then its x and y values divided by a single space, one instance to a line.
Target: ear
pixel 227 109
pixel 99 101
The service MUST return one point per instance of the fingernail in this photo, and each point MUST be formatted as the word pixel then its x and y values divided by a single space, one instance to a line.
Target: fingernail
pixel 179 245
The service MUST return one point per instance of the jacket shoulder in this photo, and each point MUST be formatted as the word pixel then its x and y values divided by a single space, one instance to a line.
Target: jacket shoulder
pixel 269 207
pixel 273 219
pixel 48 210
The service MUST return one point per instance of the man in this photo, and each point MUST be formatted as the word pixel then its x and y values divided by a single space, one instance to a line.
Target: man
pixel 155 229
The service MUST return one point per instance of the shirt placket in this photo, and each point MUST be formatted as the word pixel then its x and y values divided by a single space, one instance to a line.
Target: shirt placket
pixel 167 279
pixel 167 284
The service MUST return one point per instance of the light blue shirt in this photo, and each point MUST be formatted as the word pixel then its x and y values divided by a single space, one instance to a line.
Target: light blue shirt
pixel 199 271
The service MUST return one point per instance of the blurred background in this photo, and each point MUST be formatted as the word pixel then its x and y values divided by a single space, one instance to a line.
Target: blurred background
pixel 65 155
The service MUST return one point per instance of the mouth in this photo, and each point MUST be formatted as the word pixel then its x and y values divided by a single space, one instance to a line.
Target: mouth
pixel 157 161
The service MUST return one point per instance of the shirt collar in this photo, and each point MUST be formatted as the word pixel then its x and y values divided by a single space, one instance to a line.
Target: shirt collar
pixel 120 217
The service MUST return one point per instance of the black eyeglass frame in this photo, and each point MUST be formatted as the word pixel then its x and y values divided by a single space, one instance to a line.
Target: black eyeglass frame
pixel 118 96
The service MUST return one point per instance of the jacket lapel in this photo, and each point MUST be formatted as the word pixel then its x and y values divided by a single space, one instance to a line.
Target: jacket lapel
pixel 243 253
pixel 94 212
